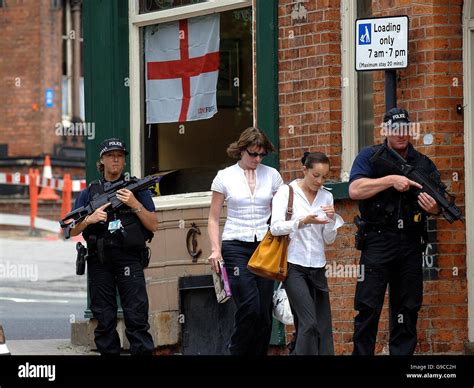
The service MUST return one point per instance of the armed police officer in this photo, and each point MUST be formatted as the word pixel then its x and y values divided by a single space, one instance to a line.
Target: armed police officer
pixel 393 210
pixel 116 243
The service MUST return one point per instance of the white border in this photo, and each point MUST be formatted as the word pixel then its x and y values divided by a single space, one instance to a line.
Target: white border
pixel 4 350
pixel 350 134
pixel 136 21
pixel 468 54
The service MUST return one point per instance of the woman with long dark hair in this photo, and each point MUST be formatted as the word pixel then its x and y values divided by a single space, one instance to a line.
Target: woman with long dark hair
pixel 313 224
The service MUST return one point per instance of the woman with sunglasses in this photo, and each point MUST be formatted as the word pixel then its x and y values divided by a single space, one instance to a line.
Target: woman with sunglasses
pixel 313 224
pixel 247 187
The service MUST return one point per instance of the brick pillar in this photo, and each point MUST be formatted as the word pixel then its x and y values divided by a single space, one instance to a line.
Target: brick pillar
pixel 430 89
pixel 310 84
pixel 31 63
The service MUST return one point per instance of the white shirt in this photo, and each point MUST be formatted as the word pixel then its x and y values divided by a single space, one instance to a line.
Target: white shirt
pixel 306 247
pixel 247 213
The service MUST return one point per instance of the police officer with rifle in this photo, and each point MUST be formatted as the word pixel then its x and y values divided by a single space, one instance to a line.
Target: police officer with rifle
pixel 116 233
pixel 397 188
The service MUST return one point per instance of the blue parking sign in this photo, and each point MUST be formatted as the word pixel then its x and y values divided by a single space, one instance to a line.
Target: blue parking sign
pixel 49 98
pixel 381 43
pixel 365 33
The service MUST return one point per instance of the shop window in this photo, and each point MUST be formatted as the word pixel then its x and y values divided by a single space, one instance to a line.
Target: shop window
pixel 55 5
pixel 68 37
pixel 192 152
pixel 365 91
pixel 3 150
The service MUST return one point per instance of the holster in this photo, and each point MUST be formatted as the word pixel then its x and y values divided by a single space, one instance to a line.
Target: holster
pixel 361 232
pixel 81 259
pixel 145 255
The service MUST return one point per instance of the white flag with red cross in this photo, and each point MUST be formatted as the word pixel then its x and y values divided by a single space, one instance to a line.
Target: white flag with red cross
pixel 182 67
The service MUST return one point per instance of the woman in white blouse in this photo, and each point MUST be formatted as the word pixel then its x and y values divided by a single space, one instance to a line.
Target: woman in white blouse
pixel 313 224
pixel 247 187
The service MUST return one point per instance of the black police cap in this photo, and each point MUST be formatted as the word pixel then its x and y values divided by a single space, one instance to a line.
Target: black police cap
pixel 396 115
pixel 111 145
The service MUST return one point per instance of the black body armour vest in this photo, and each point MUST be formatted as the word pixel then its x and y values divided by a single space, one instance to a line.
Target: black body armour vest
pixel 132 236
pixel 390 208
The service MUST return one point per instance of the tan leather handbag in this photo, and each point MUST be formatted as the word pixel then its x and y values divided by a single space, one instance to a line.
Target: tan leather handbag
pixel 270 258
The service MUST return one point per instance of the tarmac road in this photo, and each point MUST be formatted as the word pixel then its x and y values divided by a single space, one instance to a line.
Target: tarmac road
pixel 39 292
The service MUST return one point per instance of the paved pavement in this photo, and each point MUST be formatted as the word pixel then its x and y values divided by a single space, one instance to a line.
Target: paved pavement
pixel 39 293
pixel 50 347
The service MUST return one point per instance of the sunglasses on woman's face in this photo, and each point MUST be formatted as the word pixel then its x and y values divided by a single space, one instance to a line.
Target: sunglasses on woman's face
pixel 255 154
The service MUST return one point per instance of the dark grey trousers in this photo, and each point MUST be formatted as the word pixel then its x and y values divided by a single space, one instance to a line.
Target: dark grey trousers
pixel 308 293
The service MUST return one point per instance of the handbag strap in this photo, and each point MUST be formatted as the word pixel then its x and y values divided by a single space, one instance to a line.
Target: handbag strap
pixel 289 213
pixel 289 209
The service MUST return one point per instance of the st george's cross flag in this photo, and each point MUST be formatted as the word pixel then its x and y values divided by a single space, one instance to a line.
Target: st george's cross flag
pixel 182 67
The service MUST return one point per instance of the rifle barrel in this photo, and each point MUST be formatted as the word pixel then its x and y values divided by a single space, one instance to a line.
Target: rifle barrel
pixel 450 211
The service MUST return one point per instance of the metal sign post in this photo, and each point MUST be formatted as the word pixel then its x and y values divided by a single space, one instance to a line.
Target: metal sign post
pixel 390 89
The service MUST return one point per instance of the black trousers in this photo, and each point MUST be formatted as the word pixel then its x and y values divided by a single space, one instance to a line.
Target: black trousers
pixel 308 293
pixel 122 271
pixel 252 296
pixel 395 259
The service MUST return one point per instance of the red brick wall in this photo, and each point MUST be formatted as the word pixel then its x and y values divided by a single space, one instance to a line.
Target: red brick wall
pixel 30 62
pixel 310 120
pixel 430 88
pixel 310 85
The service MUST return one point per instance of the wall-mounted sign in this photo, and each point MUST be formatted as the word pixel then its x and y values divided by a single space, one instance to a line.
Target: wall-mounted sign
pixel 381 43
pixel 49 97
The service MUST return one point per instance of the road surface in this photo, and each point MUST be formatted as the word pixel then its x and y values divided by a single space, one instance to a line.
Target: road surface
pixel 39 292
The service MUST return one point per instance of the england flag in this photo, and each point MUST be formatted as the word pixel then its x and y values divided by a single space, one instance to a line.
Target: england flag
pixel 182 67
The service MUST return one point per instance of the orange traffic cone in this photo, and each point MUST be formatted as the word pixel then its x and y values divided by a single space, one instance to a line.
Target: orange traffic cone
pixel 67 193
pixel 47 193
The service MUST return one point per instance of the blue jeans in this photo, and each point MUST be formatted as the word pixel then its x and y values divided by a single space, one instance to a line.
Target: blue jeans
pixel 252 296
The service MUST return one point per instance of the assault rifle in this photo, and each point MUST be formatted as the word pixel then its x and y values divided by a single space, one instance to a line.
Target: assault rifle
pixel 436 190
pixel 110 189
